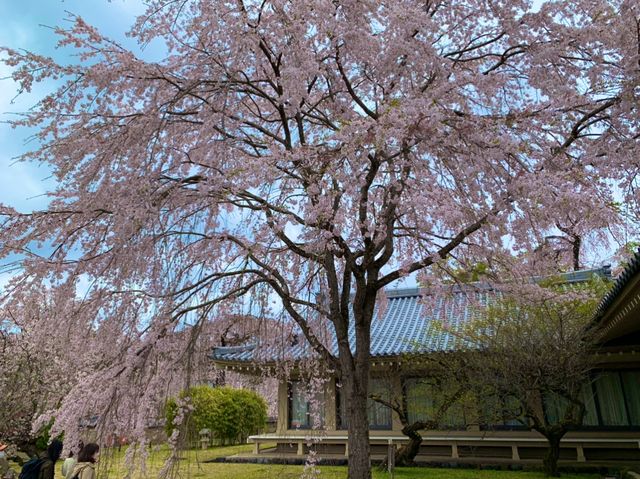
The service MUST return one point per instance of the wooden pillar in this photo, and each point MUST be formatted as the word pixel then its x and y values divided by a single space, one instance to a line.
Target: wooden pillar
pixel 391 457
pixel 283 405
pixel 580 453
pixel 515 455
pixel 454 451
pixel 396 392
pixel 330 413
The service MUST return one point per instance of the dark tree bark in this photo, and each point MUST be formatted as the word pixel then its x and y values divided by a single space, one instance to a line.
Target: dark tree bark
pixel 406 454
pixel 355 380
pixel 577 243
pixel 550 461
pixel 359 447
pixel 353 370
pixel 575 240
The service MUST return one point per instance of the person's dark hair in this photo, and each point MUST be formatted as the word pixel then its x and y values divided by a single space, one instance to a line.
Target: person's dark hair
pixel 80 446
pixel 87 452
pixel 54 451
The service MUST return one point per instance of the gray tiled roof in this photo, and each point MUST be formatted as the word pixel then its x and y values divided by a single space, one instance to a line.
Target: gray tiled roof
pixel 411 322
pixel 407 324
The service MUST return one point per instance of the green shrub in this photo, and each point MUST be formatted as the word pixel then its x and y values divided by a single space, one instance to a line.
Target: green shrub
pixel 44 437
pixel 230 414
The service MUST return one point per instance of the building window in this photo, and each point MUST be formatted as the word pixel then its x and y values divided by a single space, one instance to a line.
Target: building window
pixel 612 400
pixel 617 396
pixel 613 411
pixel 425 398
pixel 342 415
pixel 306 409
pixel 631 385
pixel 379 415
pixel 591 412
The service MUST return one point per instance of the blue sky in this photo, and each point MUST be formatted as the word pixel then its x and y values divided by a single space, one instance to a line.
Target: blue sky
pixel 23 25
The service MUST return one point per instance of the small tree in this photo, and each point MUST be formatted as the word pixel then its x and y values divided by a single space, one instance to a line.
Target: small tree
pixel 230 414
pixel 538 350
pixel 439 372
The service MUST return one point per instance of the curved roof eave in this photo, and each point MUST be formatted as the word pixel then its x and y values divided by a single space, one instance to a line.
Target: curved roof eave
pixel 623 279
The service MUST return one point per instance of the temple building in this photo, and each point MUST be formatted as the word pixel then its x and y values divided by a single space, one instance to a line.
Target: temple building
pixel 610 434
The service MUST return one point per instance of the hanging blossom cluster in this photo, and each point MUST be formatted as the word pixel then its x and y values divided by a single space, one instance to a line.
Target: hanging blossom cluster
pixel 307 157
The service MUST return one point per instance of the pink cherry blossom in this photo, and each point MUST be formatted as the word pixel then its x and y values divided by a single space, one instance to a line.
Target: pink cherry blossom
pixel 283 152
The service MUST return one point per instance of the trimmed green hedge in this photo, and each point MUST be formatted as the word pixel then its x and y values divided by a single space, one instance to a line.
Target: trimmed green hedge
pixel 230 414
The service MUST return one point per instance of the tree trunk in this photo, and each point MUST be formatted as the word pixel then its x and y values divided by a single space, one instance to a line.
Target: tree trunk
pixel 355 379
pixel 358 440
pixel 354 366
pixel 577 243
pixel 553 454
pixel 359 448
pixel 406 454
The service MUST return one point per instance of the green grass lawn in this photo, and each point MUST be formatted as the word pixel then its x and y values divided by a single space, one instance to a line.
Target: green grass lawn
pixel 193 465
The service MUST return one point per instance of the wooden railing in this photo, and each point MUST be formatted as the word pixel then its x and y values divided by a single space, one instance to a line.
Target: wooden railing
pixel 454 442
